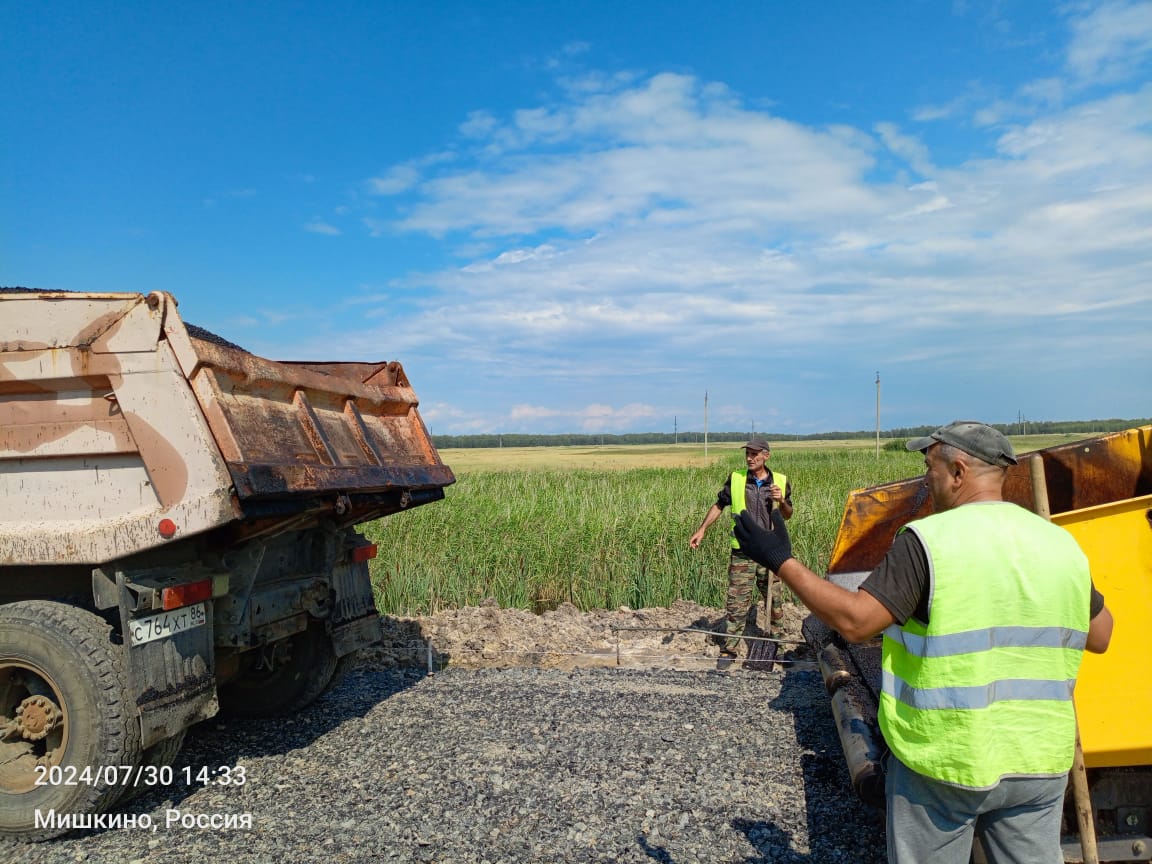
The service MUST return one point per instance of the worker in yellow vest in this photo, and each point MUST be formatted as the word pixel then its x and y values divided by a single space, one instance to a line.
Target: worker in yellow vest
pixel 986 610
pixel 759 492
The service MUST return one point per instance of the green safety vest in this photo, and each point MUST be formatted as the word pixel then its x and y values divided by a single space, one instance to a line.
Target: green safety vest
pixel 739 480
pixel 985 690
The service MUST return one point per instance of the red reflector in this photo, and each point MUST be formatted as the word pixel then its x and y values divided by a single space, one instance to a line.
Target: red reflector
pixel 363 553
pixel 184 595
pixel 167 529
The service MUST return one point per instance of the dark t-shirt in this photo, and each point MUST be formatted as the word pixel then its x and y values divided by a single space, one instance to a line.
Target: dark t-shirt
pixel 900 581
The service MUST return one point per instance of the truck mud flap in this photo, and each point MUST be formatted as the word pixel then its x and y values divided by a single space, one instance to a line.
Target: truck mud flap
pixel 352 635
pixel 355 622
pixel 174 683
pixel 171 671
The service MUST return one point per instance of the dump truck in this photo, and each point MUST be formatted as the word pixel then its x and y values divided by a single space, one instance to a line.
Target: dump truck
pixel 177 537
pixel 1100 490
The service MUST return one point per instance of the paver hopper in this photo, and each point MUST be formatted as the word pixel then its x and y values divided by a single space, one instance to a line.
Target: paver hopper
pixel 1100 490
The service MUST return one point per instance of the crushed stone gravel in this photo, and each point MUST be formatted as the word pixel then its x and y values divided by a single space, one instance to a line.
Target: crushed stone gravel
pixel 519 763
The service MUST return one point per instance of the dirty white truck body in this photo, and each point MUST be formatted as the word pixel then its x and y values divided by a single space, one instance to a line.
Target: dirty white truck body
pixel 176 533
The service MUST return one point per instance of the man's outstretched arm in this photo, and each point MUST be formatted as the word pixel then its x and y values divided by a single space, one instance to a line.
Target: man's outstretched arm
pixel 856 615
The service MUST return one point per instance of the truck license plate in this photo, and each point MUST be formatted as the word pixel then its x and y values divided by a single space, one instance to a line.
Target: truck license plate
pixel 167 624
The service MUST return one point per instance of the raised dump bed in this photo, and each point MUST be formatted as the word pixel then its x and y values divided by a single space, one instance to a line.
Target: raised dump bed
pixel 177 531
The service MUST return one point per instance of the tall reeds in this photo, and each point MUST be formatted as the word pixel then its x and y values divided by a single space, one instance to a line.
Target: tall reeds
pixel 532 539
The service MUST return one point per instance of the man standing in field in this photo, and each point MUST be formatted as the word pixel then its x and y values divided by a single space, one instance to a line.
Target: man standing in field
pixel 758 492
pixel 986 610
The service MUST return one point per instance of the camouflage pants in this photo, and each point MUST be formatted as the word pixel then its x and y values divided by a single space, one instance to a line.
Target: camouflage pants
pixel 745 575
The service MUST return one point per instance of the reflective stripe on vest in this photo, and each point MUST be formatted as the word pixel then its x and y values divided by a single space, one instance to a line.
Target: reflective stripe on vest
pixel 738 482
pixel 985 640
pixel 972 698
pixel 985 690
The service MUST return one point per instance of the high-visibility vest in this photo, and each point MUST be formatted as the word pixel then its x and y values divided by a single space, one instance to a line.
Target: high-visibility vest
pixel 985 690
pixel 739 504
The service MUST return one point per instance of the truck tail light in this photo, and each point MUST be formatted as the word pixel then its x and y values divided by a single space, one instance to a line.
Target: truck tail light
pixel 364 553
pixel 185 595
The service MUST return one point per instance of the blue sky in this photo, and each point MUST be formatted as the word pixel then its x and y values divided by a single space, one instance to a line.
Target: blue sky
pixel 582 216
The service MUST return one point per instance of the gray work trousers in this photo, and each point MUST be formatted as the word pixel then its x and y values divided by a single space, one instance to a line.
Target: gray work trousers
pixel 1018 820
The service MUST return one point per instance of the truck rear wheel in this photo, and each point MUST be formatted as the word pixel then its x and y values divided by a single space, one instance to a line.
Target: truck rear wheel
pixel 285 677
pixel 67 722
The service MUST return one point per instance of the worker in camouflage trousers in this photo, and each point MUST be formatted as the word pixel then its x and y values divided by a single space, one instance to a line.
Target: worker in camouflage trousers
pixel 748 582
pixel 759 491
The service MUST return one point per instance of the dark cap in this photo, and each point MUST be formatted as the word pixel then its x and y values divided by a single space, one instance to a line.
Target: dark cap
pixel 757 444
pixel 976 439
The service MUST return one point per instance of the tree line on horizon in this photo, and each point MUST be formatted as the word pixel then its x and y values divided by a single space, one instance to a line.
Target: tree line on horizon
pixel 1032 427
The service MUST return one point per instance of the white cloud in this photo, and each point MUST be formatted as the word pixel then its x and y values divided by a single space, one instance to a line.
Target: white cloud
pixel 590 418
pixel 512 257
pixel 650 228
pixel 478 125
pixel 229 195
pixel 666 151
pixel 1110 42
pixel 320 227
pixel 595 417
pixel 397 179
pixel 683 250
pixel 576 48
pixel 403 177
pixel 908 148
pixel 930 113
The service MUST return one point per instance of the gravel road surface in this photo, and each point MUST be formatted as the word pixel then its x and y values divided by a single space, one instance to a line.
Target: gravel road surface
pixel 510 765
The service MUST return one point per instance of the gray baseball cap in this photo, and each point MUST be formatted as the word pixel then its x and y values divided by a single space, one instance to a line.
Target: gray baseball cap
pixel 974 438
pixel 757 444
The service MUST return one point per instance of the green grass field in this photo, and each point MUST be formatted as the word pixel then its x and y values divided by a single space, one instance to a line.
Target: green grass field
pixel 603 527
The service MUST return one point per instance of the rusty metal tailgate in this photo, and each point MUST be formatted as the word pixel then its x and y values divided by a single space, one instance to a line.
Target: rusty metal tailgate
pixel 288 429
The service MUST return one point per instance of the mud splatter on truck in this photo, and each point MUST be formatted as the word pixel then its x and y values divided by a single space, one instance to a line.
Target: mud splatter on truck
pixel 177 534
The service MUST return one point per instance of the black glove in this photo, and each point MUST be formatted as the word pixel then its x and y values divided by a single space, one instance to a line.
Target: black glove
pixel 770 548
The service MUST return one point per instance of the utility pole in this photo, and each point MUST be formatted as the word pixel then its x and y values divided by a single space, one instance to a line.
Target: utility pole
pixel 675 432
pixel 705 425
pixel 877 413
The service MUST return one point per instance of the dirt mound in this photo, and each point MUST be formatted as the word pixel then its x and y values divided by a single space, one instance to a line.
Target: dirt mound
pixel 489 636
